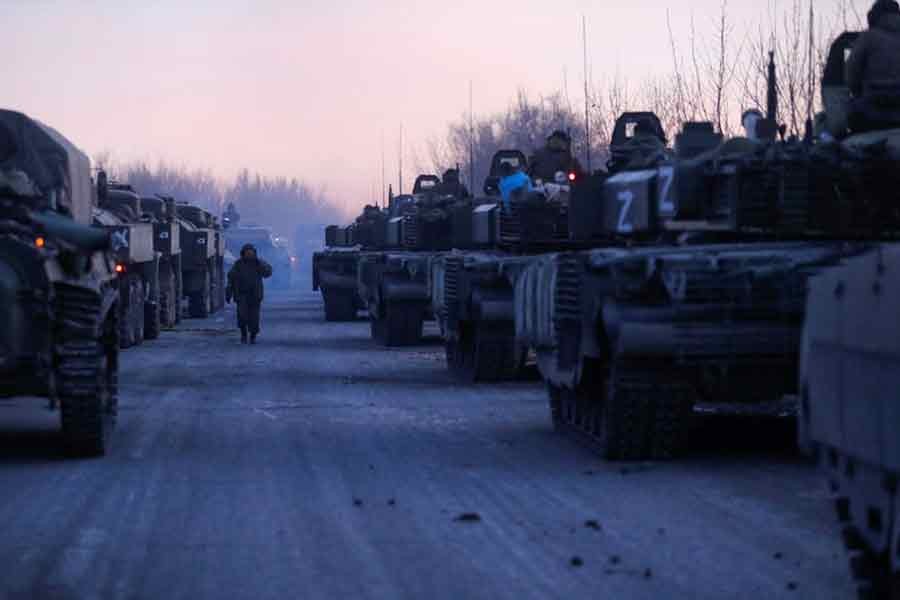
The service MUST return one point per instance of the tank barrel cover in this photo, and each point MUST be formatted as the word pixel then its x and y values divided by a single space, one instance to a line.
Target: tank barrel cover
pixel 55 167
pixel 87 238
pixel 772 90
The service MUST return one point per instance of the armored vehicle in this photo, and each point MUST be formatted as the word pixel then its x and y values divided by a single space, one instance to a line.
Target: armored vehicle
pixel 334 269
pixel 473 286
pixel 131 230
pixel 394 284
pixel 167 242
pixel 850 386
pixel 632 342
pixel 202 260
pixel 58 290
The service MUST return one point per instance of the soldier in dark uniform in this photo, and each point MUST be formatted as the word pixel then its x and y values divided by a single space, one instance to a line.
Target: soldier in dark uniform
pixel 452 186
pixel 245 286
pixel 873 71
pixel 554 157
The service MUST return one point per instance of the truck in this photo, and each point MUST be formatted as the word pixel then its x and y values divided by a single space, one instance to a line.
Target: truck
pixel 202 260
pixel 167 243
pixel 59 293
pixel 119 212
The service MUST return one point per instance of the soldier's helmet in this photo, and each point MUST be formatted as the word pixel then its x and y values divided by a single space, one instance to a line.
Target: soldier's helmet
pixel 247 248
pixel 451 176
pixel 880 9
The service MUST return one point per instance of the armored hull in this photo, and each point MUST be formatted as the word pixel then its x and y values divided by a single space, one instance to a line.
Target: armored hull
pixel 58 297
pixel 631 342
pixel 850 415
pixel 202 261
pixel 335 273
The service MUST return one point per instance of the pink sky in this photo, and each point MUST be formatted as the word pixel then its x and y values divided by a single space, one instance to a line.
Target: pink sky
pixel 307 88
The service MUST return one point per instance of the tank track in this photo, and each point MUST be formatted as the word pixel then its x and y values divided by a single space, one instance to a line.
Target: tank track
pixel 86 371
pixel 401 325
pixel 484 353
pixel 168 299
pixel 131 312
pixel 634 415
pixel 340 305
pixel 871 572
pixel 865 503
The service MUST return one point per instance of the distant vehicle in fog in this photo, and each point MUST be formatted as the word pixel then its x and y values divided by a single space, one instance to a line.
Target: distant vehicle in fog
pixel 270 248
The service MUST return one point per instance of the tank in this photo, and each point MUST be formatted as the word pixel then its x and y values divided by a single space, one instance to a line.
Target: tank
pixel 851 343
pixel 849 418
pixel 473 286
pixel 700 308
pixel 202 260
pixel 132 231
pixel 395 284
pixel 58 293
pixel 167 243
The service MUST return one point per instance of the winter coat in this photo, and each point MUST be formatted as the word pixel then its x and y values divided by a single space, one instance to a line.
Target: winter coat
pixel 245 279
pixel 512 183
pixel 547 162
pixel 876 56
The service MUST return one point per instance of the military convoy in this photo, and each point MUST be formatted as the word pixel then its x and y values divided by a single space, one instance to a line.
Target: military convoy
pixel 58 288
pixel 132 235
pixel 86 270
pixel 167 243
pixel 670 285
pixel 202 260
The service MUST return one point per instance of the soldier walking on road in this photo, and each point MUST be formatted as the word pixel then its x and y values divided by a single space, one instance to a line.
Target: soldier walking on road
pixel 245 286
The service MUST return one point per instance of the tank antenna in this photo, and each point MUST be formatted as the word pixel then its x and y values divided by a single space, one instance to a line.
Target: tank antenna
pixel 471 139
pixel 400 162
pixel 587 116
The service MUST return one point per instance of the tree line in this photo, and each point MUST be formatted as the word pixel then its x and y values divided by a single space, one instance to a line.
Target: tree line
pixel 282 203
pixel 717 71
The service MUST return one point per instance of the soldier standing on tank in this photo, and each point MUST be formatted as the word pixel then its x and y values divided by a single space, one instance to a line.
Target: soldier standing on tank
pixel 245 286
pixel 873 71
pixel 452 186
pixel 554 157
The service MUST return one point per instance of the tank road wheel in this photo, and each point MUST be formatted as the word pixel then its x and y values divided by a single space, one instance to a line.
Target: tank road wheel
pixel 168 305
pixel 377 329
pixel 179 288
pixel 131 311
pixel 401 324
pixel 199 304
pixel 340 305
pixel 123 310
pixel 637 414
pixel 555 398
pixel 485 352
pixel 152 317
pixel 87 376
pixel 139 310
pixel 496 356
pixel 644 415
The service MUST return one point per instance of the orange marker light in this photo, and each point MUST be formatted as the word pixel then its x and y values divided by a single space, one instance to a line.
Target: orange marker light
pixel 39 242
pixel 120 268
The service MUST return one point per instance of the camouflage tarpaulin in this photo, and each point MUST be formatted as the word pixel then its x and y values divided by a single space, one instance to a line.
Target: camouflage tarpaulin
pixel 50 161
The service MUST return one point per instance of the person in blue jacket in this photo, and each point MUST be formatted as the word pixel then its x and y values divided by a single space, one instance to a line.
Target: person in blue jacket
pixel 513 182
